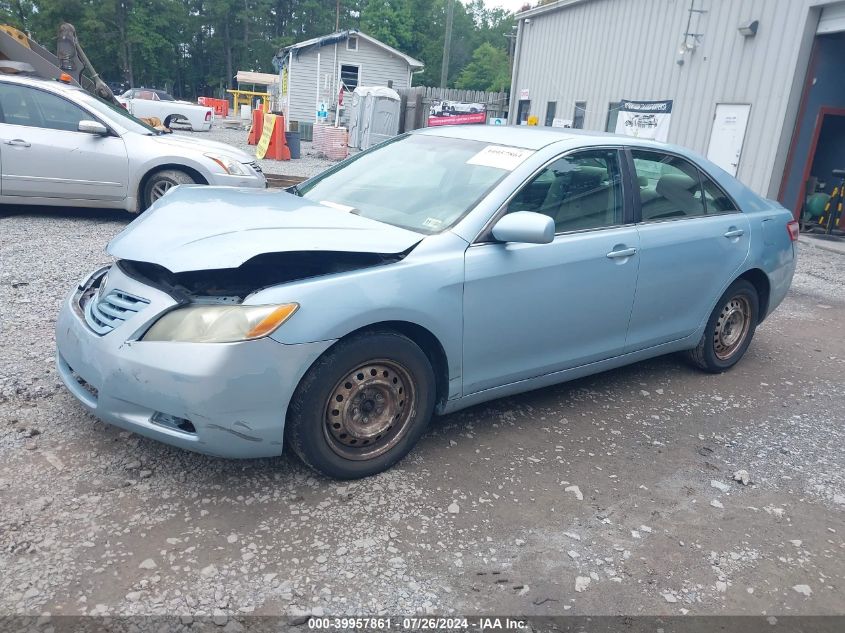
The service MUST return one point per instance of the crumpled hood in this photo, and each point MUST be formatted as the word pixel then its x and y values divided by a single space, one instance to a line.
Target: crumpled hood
pixel 203 146
pixel 196 227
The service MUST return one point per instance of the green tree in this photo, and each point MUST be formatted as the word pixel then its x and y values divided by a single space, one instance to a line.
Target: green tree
pixel 389 21
pixel 194 47
pixel 489 70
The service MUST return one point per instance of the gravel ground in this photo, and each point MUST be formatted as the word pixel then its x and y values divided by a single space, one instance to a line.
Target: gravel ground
pixel 608 495
pixel 307 165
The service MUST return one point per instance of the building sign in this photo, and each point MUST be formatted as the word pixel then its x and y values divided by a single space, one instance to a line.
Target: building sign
pixel 322 112
pixel 523 94
pixel 456 113
pixel 645 119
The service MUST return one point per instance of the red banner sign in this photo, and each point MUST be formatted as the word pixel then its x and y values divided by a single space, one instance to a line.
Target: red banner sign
pixel 456 113
pixel 458 119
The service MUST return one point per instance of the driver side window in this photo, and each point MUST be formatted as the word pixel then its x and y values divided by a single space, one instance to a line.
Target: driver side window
pixel 579 191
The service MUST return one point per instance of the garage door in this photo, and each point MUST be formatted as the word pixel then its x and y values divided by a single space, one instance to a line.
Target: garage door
pixel 832 19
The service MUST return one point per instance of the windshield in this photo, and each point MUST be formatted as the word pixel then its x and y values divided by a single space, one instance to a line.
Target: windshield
pixel 418 182
pixel 115 114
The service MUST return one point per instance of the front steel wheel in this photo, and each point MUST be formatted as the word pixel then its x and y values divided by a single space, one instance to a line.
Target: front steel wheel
pixel 369 410
pixel 362 406
pixel 729 329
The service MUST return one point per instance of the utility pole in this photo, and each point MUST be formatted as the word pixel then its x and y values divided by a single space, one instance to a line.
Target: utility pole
pixel 337 17
pixel 447 43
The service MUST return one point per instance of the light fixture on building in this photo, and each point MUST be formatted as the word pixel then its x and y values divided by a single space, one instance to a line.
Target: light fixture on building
pixel 691 40
pixel 749 29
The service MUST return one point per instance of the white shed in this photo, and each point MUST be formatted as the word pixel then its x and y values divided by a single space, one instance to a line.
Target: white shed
pixel 312 73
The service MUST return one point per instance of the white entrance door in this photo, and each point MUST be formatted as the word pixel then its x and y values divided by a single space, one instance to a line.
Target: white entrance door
pixel 728 134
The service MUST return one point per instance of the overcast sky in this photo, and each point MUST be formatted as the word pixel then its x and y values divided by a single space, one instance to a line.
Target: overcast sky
pixel 510 5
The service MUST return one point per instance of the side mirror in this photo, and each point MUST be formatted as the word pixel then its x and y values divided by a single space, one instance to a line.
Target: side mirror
pixel 526 227
pixel 93 127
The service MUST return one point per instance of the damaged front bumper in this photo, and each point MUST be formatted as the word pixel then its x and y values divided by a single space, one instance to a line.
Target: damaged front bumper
pixel 226 399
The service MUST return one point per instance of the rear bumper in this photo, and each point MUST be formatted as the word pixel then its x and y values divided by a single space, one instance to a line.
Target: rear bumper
pixel 234 395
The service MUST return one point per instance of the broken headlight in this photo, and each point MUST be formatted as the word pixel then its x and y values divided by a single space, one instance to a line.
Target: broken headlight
pixel 219 323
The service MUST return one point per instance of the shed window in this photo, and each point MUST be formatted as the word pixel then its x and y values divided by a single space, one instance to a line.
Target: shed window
pixel 349 76
pixel 352 43
pixel 578 116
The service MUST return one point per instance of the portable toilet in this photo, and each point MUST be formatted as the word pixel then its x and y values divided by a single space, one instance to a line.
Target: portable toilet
pixel 374 116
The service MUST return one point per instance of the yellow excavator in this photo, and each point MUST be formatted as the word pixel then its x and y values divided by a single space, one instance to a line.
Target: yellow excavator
pixel 21 54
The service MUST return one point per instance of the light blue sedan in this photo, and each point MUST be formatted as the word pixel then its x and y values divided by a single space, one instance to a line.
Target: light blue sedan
pixel 438 270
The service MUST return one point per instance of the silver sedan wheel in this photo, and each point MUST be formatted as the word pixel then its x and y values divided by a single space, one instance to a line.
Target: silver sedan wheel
pixel 160 188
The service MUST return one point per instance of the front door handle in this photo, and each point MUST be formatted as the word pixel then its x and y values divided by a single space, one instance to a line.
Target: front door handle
pixel 621 253
pixel 734 233
pixel 17 142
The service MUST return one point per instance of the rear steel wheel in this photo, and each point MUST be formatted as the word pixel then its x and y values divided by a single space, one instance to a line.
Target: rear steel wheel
pixel 368 411
pixel 729 329
pixel 732 327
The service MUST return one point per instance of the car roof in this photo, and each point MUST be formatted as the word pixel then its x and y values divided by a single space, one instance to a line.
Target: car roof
pixel 538 137
pixel 49 84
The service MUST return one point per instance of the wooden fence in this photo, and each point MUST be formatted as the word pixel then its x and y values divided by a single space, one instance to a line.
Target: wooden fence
pixel 417 101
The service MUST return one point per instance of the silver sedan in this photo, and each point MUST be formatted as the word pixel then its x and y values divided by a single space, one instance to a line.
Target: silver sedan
pixel 61 146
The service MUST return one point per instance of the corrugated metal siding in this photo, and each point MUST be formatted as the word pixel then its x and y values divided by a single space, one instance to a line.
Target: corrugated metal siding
pixel 606 50
pixel 377 68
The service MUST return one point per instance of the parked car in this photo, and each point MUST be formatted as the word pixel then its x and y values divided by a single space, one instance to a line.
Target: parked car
pixel 440 269
pixel 60 145
pixel 147 103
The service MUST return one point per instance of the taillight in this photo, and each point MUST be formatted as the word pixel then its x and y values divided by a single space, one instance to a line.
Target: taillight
pixel 208 116
pixel 792 229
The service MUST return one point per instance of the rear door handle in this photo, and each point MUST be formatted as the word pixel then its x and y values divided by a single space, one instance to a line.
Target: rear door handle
pixel 17 142
pixel 624 252
pixel 734 233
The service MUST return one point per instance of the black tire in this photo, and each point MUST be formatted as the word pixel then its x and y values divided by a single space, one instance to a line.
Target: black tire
pixel 164 179
pixel 315 424
pixel 718 351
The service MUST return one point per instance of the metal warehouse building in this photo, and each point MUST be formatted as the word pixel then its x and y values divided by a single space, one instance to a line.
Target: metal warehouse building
pixel 757 85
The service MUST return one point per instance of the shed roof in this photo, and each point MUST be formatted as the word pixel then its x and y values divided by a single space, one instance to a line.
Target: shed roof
pixel 341 36
pixel 258 79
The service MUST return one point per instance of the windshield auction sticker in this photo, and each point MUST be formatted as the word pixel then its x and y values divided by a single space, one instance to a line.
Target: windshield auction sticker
pixel 500 157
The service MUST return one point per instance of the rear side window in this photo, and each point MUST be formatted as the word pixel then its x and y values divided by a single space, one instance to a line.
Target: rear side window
pixel 716 200
pixel 580 191
pixel 670 187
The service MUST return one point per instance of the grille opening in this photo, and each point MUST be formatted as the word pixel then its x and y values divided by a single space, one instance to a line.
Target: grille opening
pixel 104 313
pixel 172 422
